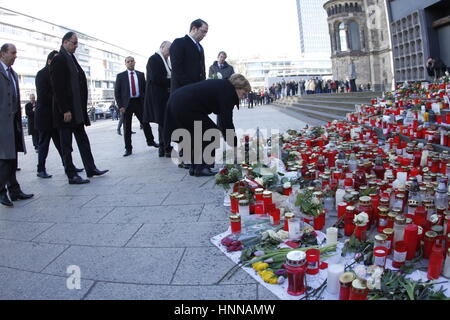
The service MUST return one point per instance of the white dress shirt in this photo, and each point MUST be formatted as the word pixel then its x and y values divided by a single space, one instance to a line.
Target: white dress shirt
pixel 12 75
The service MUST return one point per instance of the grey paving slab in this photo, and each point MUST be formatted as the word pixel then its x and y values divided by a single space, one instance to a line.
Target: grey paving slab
pixel 266 294
pixel 158 214
pixel 28 256
pixel 116 291
pixel 59 201
pixel 192 196
pixel 206 266
pixel 70 215
pixel 176 235
pixel 175 177
pixel 127 200
pixel 23 285
pixel 25 231
pixel 114 235
pixel 179 187
pixel 138 266
pixel 215 212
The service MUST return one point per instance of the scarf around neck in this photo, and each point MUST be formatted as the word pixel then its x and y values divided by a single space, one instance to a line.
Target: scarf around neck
pixel 167 64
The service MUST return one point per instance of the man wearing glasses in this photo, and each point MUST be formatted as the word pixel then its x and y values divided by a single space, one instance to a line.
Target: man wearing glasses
pixel 70 109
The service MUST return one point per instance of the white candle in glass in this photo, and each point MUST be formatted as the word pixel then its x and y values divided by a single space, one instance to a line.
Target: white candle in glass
pixel 335 271
pixel 446 272
pixel 294 229
pixel 332 236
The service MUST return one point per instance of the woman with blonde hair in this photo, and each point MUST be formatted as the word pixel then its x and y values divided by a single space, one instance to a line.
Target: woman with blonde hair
pixel 194 103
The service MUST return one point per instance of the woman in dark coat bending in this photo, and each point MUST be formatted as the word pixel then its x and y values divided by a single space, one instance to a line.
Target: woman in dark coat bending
pixel 190 106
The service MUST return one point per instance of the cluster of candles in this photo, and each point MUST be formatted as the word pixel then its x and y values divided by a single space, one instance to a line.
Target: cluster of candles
pixel 402 187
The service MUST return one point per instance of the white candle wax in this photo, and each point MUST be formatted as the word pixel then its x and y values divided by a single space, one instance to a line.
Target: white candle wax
pixel 446 272
pixel 332 236
pixel 335 271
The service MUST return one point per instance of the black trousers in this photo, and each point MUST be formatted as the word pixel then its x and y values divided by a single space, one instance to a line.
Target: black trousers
pixel 84 146
pixel 135 107
pixel 35 138
pixel 44 143
pixel 8 177
pixel 353 85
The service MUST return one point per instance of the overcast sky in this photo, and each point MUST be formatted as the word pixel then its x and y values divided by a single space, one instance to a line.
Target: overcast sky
pixel 242 28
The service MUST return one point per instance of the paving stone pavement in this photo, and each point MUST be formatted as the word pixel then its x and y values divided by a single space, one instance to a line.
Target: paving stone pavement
pixel 140 232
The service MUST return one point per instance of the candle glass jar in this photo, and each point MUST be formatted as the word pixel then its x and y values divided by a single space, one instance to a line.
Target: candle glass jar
pixel 358 291
pixel 259 194
pixel 428 243
pixel 244 209
pixel 275 217
pixel 345 285
pixel 296 271
pixel 313 261
pixel 400 252
pixel 436 261
pixel 294 228
pixel 365 205
pixel 361 232
pixel 287 217
pixel 390 238
pixel 446 272
pixel 411 238
pixel 349 227
pixel 236 226
pixel 380 256
pixel 399 228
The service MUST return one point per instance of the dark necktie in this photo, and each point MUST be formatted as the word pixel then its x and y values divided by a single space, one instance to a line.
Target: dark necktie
pixel 133 85
pixel 13 82
pixel 199 47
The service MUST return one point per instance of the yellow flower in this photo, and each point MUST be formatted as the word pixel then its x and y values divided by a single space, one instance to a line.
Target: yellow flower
pixel 259 266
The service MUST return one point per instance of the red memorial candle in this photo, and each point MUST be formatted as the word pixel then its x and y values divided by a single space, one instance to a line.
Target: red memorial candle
pixel 411 235
pixel 436 261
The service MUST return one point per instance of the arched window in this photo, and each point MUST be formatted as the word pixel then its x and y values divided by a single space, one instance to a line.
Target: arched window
pixel 354 38
pixel 346 8
pixel 351 8
pixel 340 8
pixel 343 37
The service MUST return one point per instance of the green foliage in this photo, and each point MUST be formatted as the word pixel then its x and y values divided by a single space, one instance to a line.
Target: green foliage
pixel 229 175
pixel 305 201
pixel 395 286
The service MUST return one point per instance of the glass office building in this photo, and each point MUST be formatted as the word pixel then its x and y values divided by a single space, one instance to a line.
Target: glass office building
pixel 35 39
pixel 313 25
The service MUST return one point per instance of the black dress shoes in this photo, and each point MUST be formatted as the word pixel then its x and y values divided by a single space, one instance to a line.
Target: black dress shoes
pixel 119 133
pixel 78 180
pixel 153 144
pixel 79 170
pixel 21 196
pixel 4 199
pixel 204 172
pixel 44 175
pixel 97 173
pixel 161 153
pixel 128 153
pixel 168 155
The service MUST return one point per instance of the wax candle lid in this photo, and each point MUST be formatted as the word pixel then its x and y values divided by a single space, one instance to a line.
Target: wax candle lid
pixel 358 284
pixel 296 257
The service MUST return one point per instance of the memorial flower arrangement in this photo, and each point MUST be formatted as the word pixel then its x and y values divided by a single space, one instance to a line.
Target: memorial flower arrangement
pixel 228 176
pixel 309 204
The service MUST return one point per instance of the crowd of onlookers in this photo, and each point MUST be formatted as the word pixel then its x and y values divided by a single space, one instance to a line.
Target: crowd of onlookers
pixel 284 89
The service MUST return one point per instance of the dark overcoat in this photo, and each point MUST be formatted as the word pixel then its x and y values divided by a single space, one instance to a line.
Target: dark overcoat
pixel 196 102
pixel 157 92
pixel 122 91
pixel 188 63
pixel 43 116
pixel 64 99
pixel 30 115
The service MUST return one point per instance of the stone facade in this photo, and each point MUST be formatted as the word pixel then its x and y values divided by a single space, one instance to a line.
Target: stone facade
pixel 359 31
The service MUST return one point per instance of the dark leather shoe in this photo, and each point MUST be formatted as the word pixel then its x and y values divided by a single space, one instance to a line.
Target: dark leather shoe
pixel 128 153
pixel 97 173
pixel 161 153
pixel 44 175
pixel 132 132
pixel 192 171
pixel 78 180
pixel 153 144
pixel 4 199
pixel 119 133
pixel 18 169
pixel 205 172
pixel 79 170
pixel 168 155
pixel 21 196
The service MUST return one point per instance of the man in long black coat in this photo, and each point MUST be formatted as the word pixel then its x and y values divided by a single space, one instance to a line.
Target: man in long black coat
pixel 194 103
pixel 43 118
pixel 70 109
pixel 129 92
pixel 188 57
pixel 157 93
pixel 30 109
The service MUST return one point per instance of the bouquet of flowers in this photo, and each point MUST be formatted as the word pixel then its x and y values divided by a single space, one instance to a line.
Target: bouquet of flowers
pixel 309 205
pixel 228 175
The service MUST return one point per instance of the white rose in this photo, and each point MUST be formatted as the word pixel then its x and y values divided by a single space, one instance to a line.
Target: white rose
pixel 360 272
pixel 361 219
pixel 287 185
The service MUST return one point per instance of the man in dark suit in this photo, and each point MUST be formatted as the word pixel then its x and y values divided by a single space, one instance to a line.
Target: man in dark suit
pixel 188 57
pixel 70 108
pixel 188 63
pixel 11 134
pixel 43 118
pixel 30 109
pixel 130 94
pixel 159 73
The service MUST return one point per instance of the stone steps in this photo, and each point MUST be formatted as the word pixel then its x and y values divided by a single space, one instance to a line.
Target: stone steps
pixel 326 107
